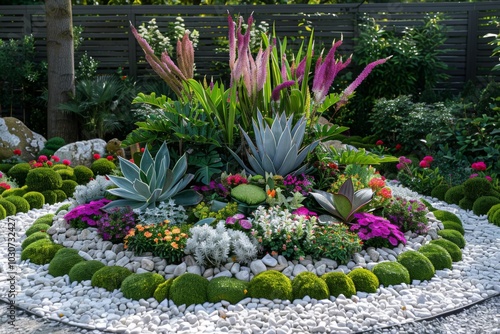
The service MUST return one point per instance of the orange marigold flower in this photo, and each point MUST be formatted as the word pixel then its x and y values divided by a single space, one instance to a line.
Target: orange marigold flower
pixel 168 238
pixel 140 228
pixel 386 192
pixel 159 234
pixel 183 235
pixel 174 245
pixel 155 240
pixel 148 234
pixel 168 232
pixel 131 233
pixel 271 193
pixel 177 238
pixel 176 230
pixel 376 183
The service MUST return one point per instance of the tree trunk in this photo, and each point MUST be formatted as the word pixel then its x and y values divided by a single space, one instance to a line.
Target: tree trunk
pixel 61 69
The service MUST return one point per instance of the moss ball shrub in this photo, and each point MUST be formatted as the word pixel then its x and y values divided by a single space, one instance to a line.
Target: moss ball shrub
pixel 19 173
pixel 83 271
pixel 14 192
pixel 270 284
pixel 54 143
pixel 489 214
pixel 439 191
pixel 454 236
pixel 339 284
pixel 40 252
pixel 449 225
pixel 249 194
pixel 188 289
pixel 454 194
pixel 444 215
pixel 452 248
pixel 495 218
pixel 162 290
pixel 67 252
pixel 476 187
pixel 62 263
pixel 83 174
pixel 40 227
pixel 110 277
pixel 3 213
pixel 61 195
pixel 483 204
pixel 34 237
pixel 439 256
pixel 35 199
pixel 309 284
pixel 226 288
pixel 364 280
pixel 50 196
pixel 9 207
pixel 45 219
pixel 141 286
pixel 466 203
pixel 66 174
pixel 419 267
pixel 64 207
pixel 44 178
pixel 4 168
pixel 102 166
pixel 391 273
pixel 68 186
pixel 21 204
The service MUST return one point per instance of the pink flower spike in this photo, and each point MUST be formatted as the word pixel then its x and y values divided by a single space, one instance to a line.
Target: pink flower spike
pixel 275 96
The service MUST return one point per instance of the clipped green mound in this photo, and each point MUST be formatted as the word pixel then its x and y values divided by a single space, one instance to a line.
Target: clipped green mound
pixel 67 174
pixel 39 227
pixel 454 236
pixel 21 204
pixel 83 174
pixel 483 204
pixel 476 187
pixel 439 191
pixel 419 267
pixel 449 225
pixel 19 173
pixel 62 263
pixel 50 196
pixel 110 277
pixel 10 208
pixel 495 218
pixel 309 284
pixel 35 199
pixel 34 237
pixel 141 286
pixel 439 256
pixel 102 166
pixel 364 280
pixel 249 194
pixel 63 207
pixel 45 219
pixel 44 178
pixel 188 289
pixel 3 213
pixel 83 271
pixel 226 288
pixel 466 203
pixel 162 291
pixel 391 273
pixel 339 283
pixel 68 186
pixel 40 252
pixel 454 194
pixel 14 192
pixel 443 215
pixel 270 284
pixel 427 205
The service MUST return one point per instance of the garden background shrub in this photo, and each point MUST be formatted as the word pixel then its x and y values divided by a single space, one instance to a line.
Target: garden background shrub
pixel 40 252
pixel 226 288
pixel 364 280
pixel 439 256
pixel 452 248
pixel 454 236
pixel 83 271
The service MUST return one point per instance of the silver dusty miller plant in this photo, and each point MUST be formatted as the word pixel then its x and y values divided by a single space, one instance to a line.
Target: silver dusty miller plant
pixel 175 214
pixel 95 189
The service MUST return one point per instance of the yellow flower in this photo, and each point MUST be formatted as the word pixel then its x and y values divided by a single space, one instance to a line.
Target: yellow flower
pixel 174 245
pixel 167 232
pixel 168 238
pixel 176 230
pixel 148 234
pixel 245 291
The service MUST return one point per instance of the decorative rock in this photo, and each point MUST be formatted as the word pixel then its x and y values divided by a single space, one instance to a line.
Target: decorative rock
pixel 81 152
pixel 194 270
pixel 243 276
pixel 269 261
pixel 297 269
pixel 14 134
pixel 181 269
pixel 147 264
pixel 257 266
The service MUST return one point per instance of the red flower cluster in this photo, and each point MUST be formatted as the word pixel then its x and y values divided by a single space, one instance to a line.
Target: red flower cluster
pixel 426 162
pixel 4 185
pixel 44 161
pixel 17 151
pixel 479 166
pixel 234 180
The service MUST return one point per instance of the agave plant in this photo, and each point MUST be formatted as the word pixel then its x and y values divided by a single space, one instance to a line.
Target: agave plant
pixel 346 202
pixel 277 148
pixel 152 182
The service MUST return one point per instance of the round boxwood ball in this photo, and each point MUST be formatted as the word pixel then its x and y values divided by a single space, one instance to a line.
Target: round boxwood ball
pixel 309 284
pixel 249 194
pixel 64 207
pixel 67 252
pixel 61 166
pixel 490 213
pixel 68 186
pixel 439 191
pixel 10 208
pixel 466 203
pixel 21 204
pixel 226 288
pixel 45 219
pixel 439 256
pixel 419 267
pixel 34 237
pixel 39 227
pixel 444 215
pixel 391 273
pixel 54 143
pixel 476 187
pixel 141 286
pixel 449 225
pixel 188 289
pixel 483 204
pixel 50 196
pixel 62 263
pixel 270 284
pixel 40 252
pixel 451 247
pixel 454 236
pixel 3 213
pixel 61 195
pixel 4 168
pixel 35 199
pixel 102 166
pixel 110 277
pixel 339 283
pixel 364 280
pixel 67 174
pixel 454 194
pixel 83 174
pixel 14 192
pixel 162 290
pixel 19 173
pixel 495 218
pixel 44 178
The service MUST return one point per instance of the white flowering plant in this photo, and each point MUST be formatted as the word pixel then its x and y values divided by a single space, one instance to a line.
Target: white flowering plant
pixel 94 190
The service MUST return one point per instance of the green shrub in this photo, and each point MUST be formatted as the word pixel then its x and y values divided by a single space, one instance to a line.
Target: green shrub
pixel 110 277
pixel 60 195
pixel 19 173
pixel 466 203
pixel 83 271
pixel 364 280
pixel 4 168
pixel 40 252
pixel 10 208
pixel 270 284
pixel 34 237
pixel 249 194
pixel 54 143
pixel 454 194
pixel 43 178
pixel 62 263
pixel 449 225
pixel 21 204
pixel 37 228
pixel 83 174
pixel 428 205
pixel 61 166
pixel 102 166
pixel 483 204
pixel 162 291
pixel 443 215
pixel 391 273
pixel 226 288
pixel 495 218
pixel 439 191
pixel 188 289
pixel 419 267
pixel 141 286
pixel 452 248
pixel 309 284
pixel 35 199
pixel 68 186
pixel 476 187
pixel 14 192
pixel 454 236
pixel 63 207
pixel 50 196
pixel 439 256
pixel 3 213
pixel 45 219
pixel 66 174
pixel 339 283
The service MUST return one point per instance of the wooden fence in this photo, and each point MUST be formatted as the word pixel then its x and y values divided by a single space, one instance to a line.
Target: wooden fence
pixel 107 36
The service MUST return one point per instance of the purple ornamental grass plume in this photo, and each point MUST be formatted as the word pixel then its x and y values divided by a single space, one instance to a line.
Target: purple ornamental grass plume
pixel 275 96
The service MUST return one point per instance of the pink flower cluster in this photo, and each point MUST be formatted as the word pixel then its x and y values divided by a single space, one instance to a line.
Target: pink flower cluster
pixel 44 161
pixel 234 180
pixel 369 226
pixel 4 185
pixel 239 218
pixel 403 161
pixel 426 162
pixel 479 166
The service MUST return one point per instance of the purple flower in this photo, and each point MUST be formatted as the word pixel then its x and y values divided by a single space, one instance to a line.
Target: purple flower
pixel 246 224
pixel 275 96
